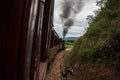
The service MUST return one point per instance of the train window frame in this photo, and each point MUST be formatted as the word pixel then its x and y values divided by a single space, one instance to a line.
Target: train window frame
pixel 40 21
pixel 29 44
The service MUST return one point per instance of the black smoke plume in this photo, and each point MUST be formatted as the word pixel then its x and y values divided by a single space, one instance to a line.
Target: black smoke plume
pixel 69 10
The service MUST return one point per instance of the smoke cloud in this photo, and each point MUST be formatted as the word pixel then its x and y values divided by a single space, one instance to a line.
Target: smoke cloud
pixel 70 8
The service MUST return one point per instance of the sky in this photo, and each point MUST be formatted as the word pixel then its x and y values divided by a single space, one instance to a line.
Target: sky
pixel 80 22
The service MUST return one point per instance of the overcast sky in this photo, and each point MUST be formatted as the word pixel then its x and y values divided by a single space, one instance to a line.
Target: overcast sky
pixel 78 29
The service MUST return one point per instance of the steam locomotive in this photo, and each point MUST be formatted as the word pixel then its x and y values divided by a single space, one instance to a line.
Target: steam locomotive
pixel 28 40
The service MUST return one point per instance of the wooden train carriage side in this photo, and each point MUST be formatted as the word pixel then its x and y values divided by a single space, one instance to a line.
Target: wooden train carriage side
pixel 24 25
pixel 33 59
pixel 47 27
pixel 46 36
pixel 54 46
pixel 20 39
pixel 13 21
pixel 55 39
pixel 52 39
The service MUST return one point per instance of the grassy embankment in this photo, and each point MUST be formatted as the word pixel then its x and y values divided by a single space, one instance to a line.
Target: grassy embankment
pixel 96 55
pixel 69 43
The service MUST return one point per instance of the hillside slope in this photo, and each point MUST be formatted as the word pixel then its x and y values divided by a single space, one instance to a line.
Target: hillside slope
pixel 100 45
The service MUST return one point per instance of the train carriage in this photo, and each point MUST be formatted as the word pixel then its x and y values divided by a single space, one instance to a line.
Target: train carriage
pixel 26 34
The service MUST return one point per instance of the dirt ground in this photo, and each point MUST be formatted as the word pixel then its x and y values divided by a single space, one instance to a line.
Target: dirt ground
pixel 55 68
pixel 85 71
pixel 54 72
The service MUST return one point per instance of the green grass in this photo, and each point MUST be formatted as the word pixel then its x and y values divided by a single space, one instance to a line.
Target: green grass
pixel 69 44
pixel 100 45
pixel 101 42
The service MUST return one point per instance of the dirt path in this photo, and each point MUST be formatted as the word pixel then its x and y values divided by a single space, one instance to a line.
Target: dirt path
pixel 54 72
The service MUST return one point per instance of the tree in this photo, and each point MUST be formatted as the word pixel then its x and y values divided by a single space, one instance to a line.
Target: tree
pixel 90 19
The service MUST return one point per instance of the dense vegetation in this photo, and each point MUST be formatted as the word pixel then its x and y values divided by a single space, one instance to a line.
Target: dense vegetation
pixel 101 42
